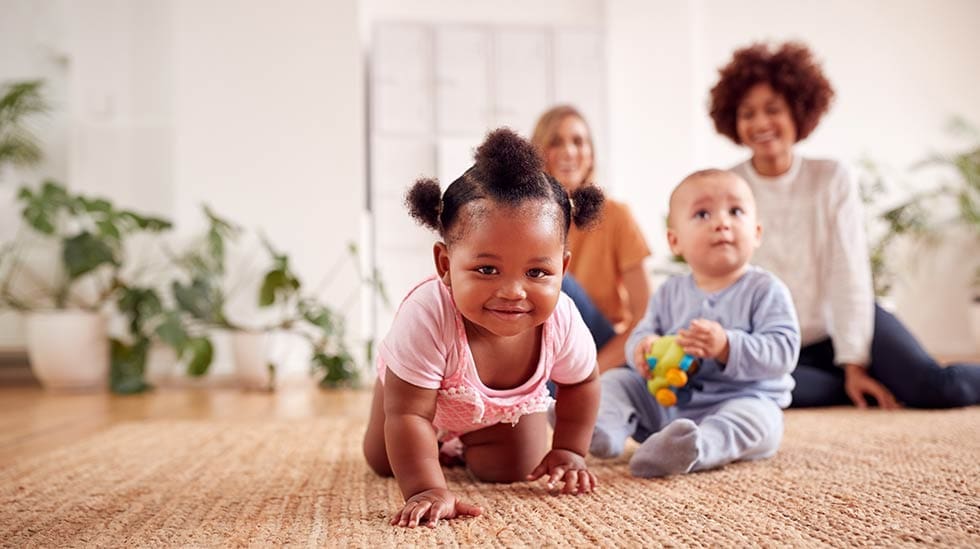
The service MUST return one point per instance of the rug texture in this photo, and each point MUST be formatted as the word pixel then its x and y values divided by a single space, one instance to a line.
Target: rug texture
pixel 842 478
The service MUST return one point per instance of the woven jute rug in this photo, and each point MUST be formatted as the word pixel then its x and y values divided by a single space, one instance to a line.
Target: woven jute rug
pixel 842 478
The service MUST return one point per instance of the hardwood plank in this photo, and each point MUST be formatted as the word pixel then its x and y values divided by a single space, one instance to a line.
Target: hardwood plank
pixel 34 421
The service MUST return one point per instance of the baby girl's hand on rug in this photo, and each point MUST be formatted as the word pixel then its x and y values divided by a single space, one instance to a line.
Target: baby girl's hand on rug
pixel 704 339
pixel 568 467
pixel 432 505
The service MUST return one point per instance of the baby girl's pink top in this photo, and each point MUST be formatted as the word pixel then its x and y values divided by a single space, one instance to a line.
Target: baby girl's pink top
pixel 427 347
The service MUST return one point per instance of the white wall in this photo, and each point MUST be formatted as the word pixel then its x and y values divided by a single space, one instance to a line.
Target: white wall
pixel 269 115
pixel 900 68
pixel 254 107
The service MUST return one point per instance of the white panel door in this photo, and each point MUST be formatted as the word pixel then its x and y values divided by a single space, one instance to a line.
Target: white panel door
pixel 401 80
pixel 521 77
pixel 462 66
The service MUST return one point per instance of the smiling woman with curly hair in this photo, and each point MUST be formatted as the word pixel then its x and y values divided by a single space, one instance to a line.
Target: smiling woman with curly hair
pixel 767 99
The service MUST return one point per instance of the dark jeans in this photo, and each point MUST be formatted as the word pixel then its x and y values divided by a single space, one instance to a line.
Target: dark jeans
pixel 600 327
pixel 897 361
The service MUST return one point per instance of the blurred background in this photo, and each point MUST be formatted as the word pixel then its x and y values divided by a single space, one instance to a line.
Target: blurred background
pixel 308 119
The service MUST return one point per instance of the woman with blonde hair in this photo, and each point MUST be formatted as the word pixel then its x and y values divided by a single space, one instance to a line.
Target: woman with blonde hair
pixel 607 280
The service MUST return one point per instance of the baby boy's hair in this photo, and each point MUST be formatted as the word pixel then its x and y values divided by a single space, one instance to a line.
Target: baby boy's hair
pixel 708 172
pixel 508 171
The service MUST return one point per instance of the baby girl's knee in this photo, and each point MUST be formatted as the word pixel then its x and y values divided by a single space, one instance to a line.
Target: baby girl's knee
pixel 377 459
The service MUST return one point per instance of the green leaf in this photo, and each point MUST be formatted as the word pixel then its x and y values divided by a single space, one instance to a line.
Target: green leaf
pixel 202 353
pixel 127 365
pixel 277 283
pixel 338 369
pixel 96 205
pixel 145 223
pixel 171 331
pixel 85 252
pixel 321 318
pixel 216 246
pixel 200 299
pixel 107 229
pixel 38 217
pixel 140 306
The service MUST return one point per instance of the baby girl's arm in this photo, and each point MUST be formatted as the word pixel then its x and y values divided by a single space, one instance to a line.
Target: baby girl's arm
pixel 575 415
pixel 414 455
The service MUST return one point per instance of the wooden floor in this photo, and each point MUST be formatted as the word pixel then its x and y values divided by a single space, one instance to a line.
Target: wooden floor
pixel 34 421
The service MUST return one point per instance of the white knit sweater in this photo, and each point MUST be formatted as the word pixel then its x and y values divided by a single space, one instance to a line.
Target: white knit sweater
pixel 814 240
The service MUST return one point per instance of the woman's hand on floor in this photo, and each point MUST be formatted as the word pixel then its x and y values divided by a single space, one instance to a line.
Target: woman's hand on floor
pixel 565 466
pixel 430 506
pixel 858 384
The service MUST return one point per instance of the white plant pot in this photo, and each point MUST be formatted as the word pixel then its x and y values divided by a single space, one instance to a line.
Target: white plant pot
pixel 68 350
pixel 253 352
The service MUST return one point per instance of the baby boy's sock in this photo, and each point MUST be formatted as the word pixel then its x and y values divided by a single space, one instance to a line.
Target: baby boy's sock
pixel 671 451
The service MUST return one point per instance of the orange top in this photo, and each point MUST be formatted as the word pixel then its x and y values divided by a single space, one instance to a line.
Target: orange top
pixel 602 254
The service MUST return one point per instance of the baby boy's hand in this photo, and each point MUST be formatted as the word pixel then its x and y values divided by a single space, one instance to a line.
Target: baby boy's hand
pixel 640 354
pixel 705 339
pixel 565 465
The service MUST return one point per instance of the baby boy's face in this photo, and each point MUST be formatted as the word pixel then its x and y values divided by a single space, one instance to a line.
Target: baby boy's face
pixel 713 223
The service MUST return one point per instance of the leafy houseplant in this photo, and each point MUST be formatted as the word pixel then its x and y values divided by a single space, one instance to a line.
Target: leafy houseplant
pixel 909 217
pixel 964 186
pixel 925 216
pixel 90 234
pixel 203 295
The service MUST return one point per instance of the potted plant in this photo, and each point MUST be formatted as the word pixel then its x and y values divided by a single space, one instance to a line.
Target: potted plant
pixel 298 322
pixel 924 216
pixel 66 295
pixel 962 184
pixel 889 221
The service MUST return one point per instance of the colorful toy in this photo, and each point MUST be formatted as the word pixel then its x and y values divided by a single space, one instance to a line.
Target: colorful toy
pixel 670 368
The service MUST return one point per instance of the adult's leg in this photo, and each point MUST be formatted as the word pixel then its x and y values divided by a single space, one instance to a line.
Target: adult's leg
pixel 600 327
pixel 626 409
pixel 506 453
pixel 900 363
pixel 819 382
pixel 738 429
pixel 374 437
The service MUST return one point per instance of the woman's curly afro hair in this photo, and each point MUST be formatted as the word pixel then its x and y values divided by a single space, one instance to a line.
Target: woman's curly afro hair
pixel 792 72
pixel 507 170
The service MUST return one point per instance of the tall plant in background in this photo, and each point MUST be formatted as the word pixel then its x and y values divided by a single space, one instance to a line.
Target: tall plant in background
pixel 889 223
pixel 922 215
pixel 19 102
pixel 964 185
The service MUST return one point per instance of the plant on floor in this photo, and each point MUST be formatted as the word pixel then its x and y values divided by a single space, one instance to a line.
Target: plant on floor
pixel 90 234
pixel 964 185
pixel 203 296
